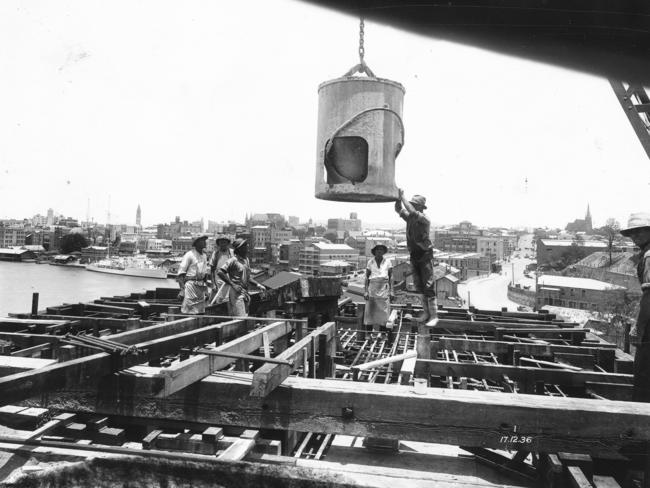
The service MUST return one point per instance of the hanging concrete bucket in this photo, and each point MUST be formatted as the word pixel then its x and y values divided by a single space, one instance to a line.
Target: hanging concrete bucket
pixel 360 133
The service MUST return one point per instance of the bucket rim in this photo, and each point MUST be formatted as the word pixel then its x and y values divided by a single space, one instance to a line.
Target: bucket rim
pixel 367 79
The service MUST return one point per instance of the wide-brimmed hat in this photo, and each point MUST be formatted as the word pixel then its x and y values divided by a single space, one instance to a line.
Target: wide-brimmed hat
pixel 222 237
pixel 239 243
pixel 379 246
pixel 197 239
pixel 418 200
pixel 637 221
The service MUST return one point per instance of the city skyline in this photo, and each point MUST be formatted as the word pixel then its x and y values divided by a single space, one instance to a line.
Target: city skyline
pixel 302 220
pixel 87 114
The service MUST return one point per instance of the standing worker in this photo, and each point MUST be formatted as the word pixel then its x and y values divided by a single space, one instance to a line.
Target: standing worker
pixel 638 229
pixel 236 273
pixel 193 276
pixel 420 250
pixel 378 290
pixel 220 255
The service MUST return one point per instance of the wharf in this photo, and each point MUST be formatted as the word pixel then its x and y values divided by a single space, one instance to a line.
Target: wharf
pixel 101 392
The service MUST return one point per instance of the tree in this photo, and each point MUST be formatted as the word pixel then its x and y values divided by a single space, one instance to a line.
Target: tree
pixel 611 230
pixel 73 242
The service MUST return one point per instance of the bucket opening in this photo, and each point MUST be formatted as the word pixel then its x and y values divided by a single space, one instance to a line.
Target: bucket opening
pixel 346 160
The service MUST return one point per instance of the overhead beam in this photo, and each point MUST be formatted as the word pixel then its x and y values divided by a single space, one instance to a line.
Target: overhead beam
pixel 269 376
pixel 459 417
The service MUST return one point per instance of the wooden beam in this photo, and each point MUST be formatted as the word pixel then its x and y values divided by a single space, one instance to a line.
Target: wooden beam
pixel 455 325
pixel 192 338
pixel 504 347
pixel 10 365
pixel 270 376
pixel 459 417
pixel 19 386
pixel 30 351
pixel 520 373
pixel 185 373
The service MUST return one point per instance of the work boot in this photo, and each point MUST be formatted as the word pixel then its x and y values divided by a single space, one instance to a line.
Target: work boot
pixel 433 309
pixel 426 313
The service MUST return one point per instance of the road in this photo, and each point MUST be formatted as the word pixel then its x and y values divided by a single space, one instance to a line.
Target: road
pixel 491 292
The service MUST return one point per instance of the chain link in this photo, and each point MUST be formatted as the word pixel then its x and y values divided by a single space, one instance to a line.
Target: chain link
pixel 362 50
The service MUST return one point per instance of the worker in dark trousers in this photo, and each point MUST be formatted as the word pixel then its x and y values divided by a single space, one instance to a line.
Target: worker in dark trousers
pixel 421 252
pixel 638 229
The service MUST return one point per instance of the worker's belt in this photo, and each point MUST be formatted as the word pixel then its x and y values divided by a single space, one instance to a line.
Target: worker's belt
pixel 198 282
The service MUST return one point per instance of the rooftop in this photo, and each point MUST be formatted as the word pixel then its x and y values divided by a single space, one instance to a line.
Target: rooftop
pixel 569 242
pixel 332 247
pixel 571 282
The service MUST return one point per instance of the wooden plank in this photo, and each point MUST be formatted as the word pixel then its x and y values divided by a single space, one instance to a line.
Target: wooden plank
pixel 503 347
pixel 407 370
pixel 31 351
pixel 585 361
pixel 458 417
pixel 468 326
pixel 10 365
pixel 521 373
pixel 610 391
pixel 237 450
pixel 172 343
pixel 185 373
pixel 601 481
pixel 269 376
pixel 577 478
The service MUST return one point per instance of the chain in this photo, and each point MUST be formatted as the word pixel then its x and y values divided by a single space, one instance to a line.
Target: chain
pixel 362 50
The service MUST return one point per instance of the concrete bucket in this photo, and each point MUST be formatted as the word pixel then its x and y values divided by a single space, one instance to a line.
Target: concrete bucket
pixel 360 133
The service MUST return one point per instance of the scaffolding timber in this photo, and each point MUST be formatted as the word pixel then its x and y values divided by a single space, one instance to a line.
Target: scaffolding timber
pixel 301 393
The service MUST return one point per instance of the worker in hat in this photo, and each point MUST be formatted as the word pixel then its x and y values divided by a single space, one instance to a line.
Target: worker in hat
pixel 638 229
pixel 420 251
pixel 378 290
pixel 220 255
pixel 193 277
pixel 236 273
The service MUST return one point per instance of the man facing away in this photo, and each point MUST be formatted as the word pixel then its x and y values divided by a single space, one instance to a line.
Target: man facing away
pixel 638 229
pixel 192 277
pixel 420 251
pixel 220 255
pixel 236 273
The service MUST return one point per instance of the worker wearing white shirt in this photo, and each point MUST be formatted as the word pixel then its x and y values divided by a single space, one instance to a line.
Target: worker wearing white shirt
pixel 378 289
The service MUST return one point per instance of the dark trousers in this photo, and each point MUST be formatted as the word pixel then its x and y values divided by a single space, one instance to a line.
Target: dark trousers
pixel 641 391
pixel 423 281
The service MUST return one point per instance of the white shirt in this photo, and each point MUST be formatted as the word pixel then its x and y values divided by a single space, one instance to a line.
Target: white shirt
pixel 195 265
pixel 379 272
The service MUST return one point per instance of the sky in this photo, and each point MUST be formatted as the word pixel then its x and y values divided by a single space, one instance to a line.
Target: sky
pixel 207 109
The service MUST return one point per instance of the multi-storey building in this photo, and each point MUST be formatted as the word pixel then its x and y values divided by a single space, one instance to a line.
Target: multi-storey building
pixel 581 293
pixel 469 264
pixel 289 254
pixel 318 253
pixel 12 236
pixel 264 235
pixel 351 224
pixel 551 251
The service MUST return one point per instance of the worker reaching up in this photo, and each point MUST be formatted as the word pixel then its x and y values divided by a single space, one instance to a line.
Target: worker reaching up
pixel 420 250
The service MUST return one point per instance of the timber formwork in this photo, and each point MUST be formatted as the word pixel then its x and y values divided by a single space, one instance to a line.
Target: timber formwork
pixel 482 398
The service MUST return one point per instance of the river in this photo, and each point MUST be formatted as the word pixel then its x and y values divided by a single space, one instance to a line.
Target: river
pixel 59 284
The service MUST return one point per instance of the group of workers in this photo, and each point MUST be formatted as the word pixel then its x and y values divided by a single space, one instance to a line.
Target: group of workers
pixel 226 277
pixel 223 278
